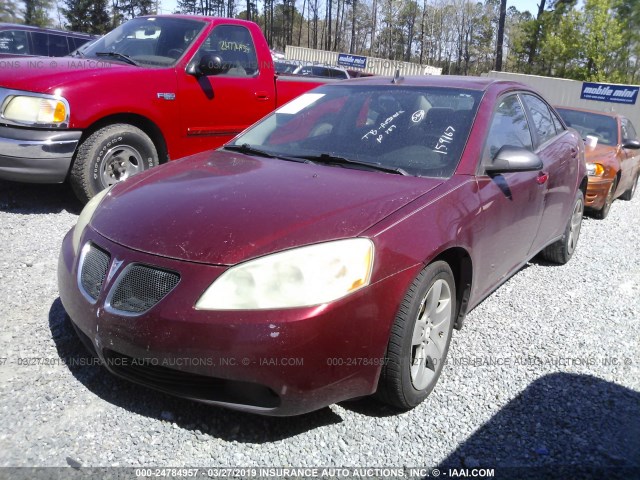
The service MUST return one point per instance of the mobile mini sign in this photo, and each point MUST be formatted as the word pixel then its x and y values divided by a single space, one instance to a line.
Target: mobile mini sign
pixel 610 93
pixel 346 60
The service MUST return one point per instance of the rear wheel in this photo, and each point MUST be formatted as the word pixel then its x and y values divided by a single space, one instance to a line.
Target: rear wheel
pixel 110 155
pixel 628 195
pixel 420 338
pixel 560 252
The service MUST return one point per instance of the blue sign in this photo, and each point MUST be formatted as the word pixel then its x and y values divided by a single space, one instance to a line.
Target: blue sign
pixel 347 60
pixel 609 93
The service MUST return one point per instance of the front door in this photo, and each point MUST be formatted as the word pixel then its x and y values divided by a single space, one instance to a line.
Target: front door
pixel 511 204
pixel 215 108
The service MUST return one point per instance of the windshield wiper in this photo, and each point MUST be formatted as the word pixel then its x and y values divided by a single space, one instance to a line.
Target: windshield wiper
pixel 249 150
pixel 119 56
pixel 335 160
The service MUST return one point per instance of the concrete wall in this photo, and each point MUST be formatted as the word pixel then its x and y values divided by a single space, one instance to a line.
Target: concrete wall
pixel 566 93
pixel 377 66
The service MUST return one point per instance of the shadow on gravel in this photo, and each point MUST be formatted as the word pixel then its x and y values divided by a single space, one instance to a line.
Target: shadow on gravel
pixel 562 426
pixel 212 422
pixel 29 198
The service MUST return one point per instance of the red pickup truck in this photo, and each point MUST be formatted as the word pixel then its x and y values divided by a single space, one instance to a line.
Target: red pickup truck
pixel 156 88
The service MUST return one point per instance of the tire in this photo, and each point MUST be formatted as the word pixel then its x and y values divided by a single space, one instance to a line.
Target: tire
pixel 419 339
pixel 628 195
pixel 110 155
pixel 604 211
pixel 560 252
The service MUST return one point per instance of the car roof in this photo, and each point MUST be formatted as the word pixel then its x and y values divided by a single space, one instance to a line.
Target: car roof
pixel 587 110
pixel 200 18
pixel 17 26
pixel 452 81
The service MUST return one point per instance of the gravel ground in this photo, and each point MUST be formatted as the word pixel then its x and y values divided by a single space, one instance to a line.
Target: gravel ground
pixel 546 372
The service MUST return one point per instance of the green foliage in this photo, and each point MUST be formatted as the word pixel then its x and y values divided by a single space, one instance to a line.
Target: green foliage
pixel 36 12
pixel 9 11
pixel 90 16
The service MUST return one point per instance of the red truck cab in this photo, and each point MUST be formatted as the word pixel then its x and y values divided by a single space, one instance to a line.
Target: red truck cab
pixel 155 88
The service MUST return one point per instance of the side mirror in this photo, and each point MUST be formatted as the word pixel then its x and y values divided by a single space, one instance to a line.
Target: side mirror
pixel 514 159
pixel 208 65
pixel 631 144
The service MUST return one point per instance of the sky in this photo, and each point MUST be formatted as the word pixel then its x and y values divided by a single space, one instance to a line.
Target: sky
pixel 168 6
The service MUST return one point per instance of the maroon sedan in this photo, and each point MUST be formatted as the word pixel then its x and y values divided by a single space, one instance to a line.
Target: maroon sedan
pixel 329 251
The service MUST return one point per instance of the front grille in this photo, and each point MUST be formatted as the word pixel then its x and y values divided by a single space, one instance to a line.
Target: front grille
pixel 149 372
pixel 140 287
pixel 93 270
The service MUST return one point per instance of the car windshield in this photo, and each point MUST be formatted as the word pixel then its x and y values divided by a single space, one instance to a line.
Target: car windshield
pixel 603 127
pixel 420 131
pixel 147 41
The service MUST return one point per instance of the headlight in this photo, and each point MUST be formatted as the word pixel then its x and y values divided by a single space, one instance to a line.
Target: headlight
pixel 36 110
pixel 595 169
pixel 85 218
pixel 301 277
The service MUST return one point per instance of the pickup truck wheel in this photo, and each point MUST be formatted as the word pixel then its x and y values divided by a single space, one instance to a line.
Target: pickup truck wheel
pixel 560 252
pixel 420 338
pixel 111 155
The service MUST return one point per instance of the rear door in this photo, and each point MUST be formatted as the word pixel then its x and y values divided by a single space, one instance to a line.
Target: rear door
pixel 511 203
pixel 558 150
pixel 216 108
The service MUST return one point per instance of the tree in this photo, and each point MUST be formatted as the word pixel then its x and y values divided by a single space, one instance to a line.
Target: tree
pixel 124 9
pixel 36 12
pixel 89 16
pixel 500 42
pixel 602 40
pixel 9 11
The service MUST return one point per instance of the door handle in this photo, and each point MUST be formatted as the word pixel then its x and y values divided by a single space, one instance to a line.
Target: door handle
pixel 542 178
pixel 262 96
pixel 574 152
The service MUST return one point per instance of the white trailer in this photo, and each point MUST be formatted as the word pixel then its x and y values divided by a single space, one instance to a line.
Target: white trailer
pixel 376 66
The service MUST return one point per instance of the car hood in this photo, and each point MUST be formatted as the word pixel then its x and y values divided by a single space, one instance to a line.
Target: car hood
pixel 46 74
pixel 224 208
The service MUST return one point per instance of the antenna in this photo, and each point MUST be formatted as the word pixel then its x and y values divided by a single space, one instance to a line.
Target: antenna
pixel 396 76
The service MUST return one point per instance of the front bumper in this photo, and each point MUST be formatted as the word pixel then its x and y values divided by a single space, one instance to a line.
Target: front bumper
pixel 597 190
pixel 36 156
pixel 272 362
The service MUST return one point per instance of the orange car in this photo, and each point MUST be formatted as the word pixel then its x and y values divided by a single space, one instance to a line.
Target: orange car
pixel 612 156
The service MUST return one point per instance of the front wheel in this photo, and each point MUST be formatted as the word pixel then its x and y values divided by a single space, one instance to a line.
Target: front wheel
pixel 110 155
pixel 604 211
pixel 560 252
pixel 420 338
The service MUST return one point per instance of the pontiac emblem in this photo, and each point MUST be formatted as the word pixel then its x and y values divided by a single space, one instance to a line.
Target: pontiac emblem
pixel 115 265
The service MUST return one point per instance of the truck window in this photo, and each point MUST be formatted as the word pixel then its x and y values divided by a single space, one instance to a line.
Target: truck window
pixel 234 45
pixel 14 41
pixel 150 41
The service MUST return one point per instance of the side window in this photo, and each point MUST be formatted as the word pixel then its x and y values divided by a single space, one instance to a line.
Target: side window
pixel 14 41
pixel 557 123
pixel 234 45
pixel 40 42
pixel 541 117
pixel 58 46
pixel 628 132
pixel 509 126
pixel 77 42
